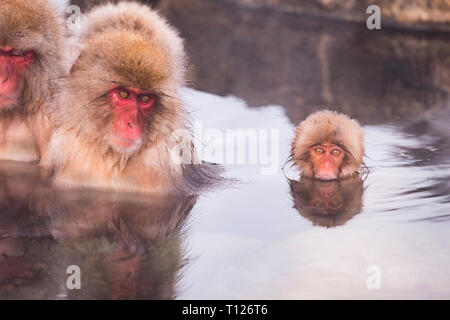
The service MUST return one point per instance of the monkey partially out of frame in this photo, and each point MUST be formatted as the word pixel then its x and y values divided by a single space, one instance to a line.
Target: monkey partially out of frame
pixel 119 120
pixel 328 146
pixel 31 51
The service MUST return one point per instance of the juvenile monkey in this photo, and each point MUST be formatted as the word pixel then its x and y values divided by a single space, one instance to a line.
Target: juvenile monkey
pixel 119 108
pixel 328 146
pixel 31 46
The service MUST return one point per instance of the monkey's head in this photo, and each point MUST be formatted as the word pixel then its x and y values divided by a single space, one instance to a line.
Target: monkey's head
pixel 122 91
pixel 328 146
pixel 30 39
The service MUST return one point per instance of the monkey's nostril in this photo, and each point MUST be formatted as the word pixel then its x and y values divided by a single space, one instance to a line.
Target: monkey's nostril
pixel 130 125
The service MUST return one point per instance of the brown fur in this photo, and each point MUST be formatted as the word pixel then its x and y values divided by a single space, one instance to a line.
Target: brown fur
pixel 312 199
pixel 121 45
pixel 332 127
pixel 35 25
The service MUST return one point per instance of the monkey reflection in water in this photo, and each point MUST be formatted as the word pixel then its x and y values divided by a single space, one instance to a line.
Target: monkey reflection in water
pixel 328 148
pixel 328 203
pixel 128 246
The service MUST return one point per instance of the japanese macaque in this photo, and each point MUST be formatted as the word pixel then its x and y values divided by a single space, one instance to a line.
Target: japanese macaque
pixel 328 203
pixel 328 146
pixel 120 123
pixel 31 47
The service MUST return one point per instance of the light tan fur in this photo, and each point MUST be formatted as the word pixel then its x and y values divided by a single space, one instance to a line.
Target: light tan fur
pixel 139 19
pixel 332 127
pixel 125 45
pixel 31 25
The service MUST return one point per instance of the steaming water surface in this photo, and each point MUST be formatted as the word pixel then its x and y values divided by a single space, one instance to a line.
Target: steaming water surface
pixel 249 241
pixel 257 237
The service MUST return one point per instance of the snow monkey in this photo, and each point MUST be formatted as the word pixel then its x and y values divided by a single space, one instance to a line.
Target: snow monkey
pixel 119 107
pixel 31 46
pixel 328 146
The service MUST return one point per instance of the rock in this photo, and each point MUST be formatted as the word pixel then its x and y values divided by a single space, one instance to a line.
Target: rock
pixel 411 14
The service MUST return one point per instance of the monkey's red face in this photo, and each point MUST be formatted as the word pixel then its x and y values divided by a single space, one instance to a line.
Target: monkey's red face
pixel 12 66
pixel 326 159
pixel 130 108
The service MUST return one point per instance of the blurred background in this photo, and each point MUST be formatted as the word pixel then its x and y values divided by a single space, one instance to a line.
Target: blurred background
pixel 307 54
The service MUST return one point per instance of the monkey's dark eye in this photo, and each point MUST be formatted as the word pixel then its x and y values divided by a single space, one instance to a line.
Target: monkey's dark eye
pixel 17 53
pixel 318 205
pixel 21 55
pixel 319 150
pixel 336 152
pixel 124 94
pixel 335 204
pixel 146 99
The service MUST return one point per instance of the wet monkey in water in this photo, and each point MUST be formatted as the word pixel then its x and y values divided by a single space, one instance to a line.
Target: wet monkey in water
pixel 328 146
pixel 31 47
pixel 119 107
